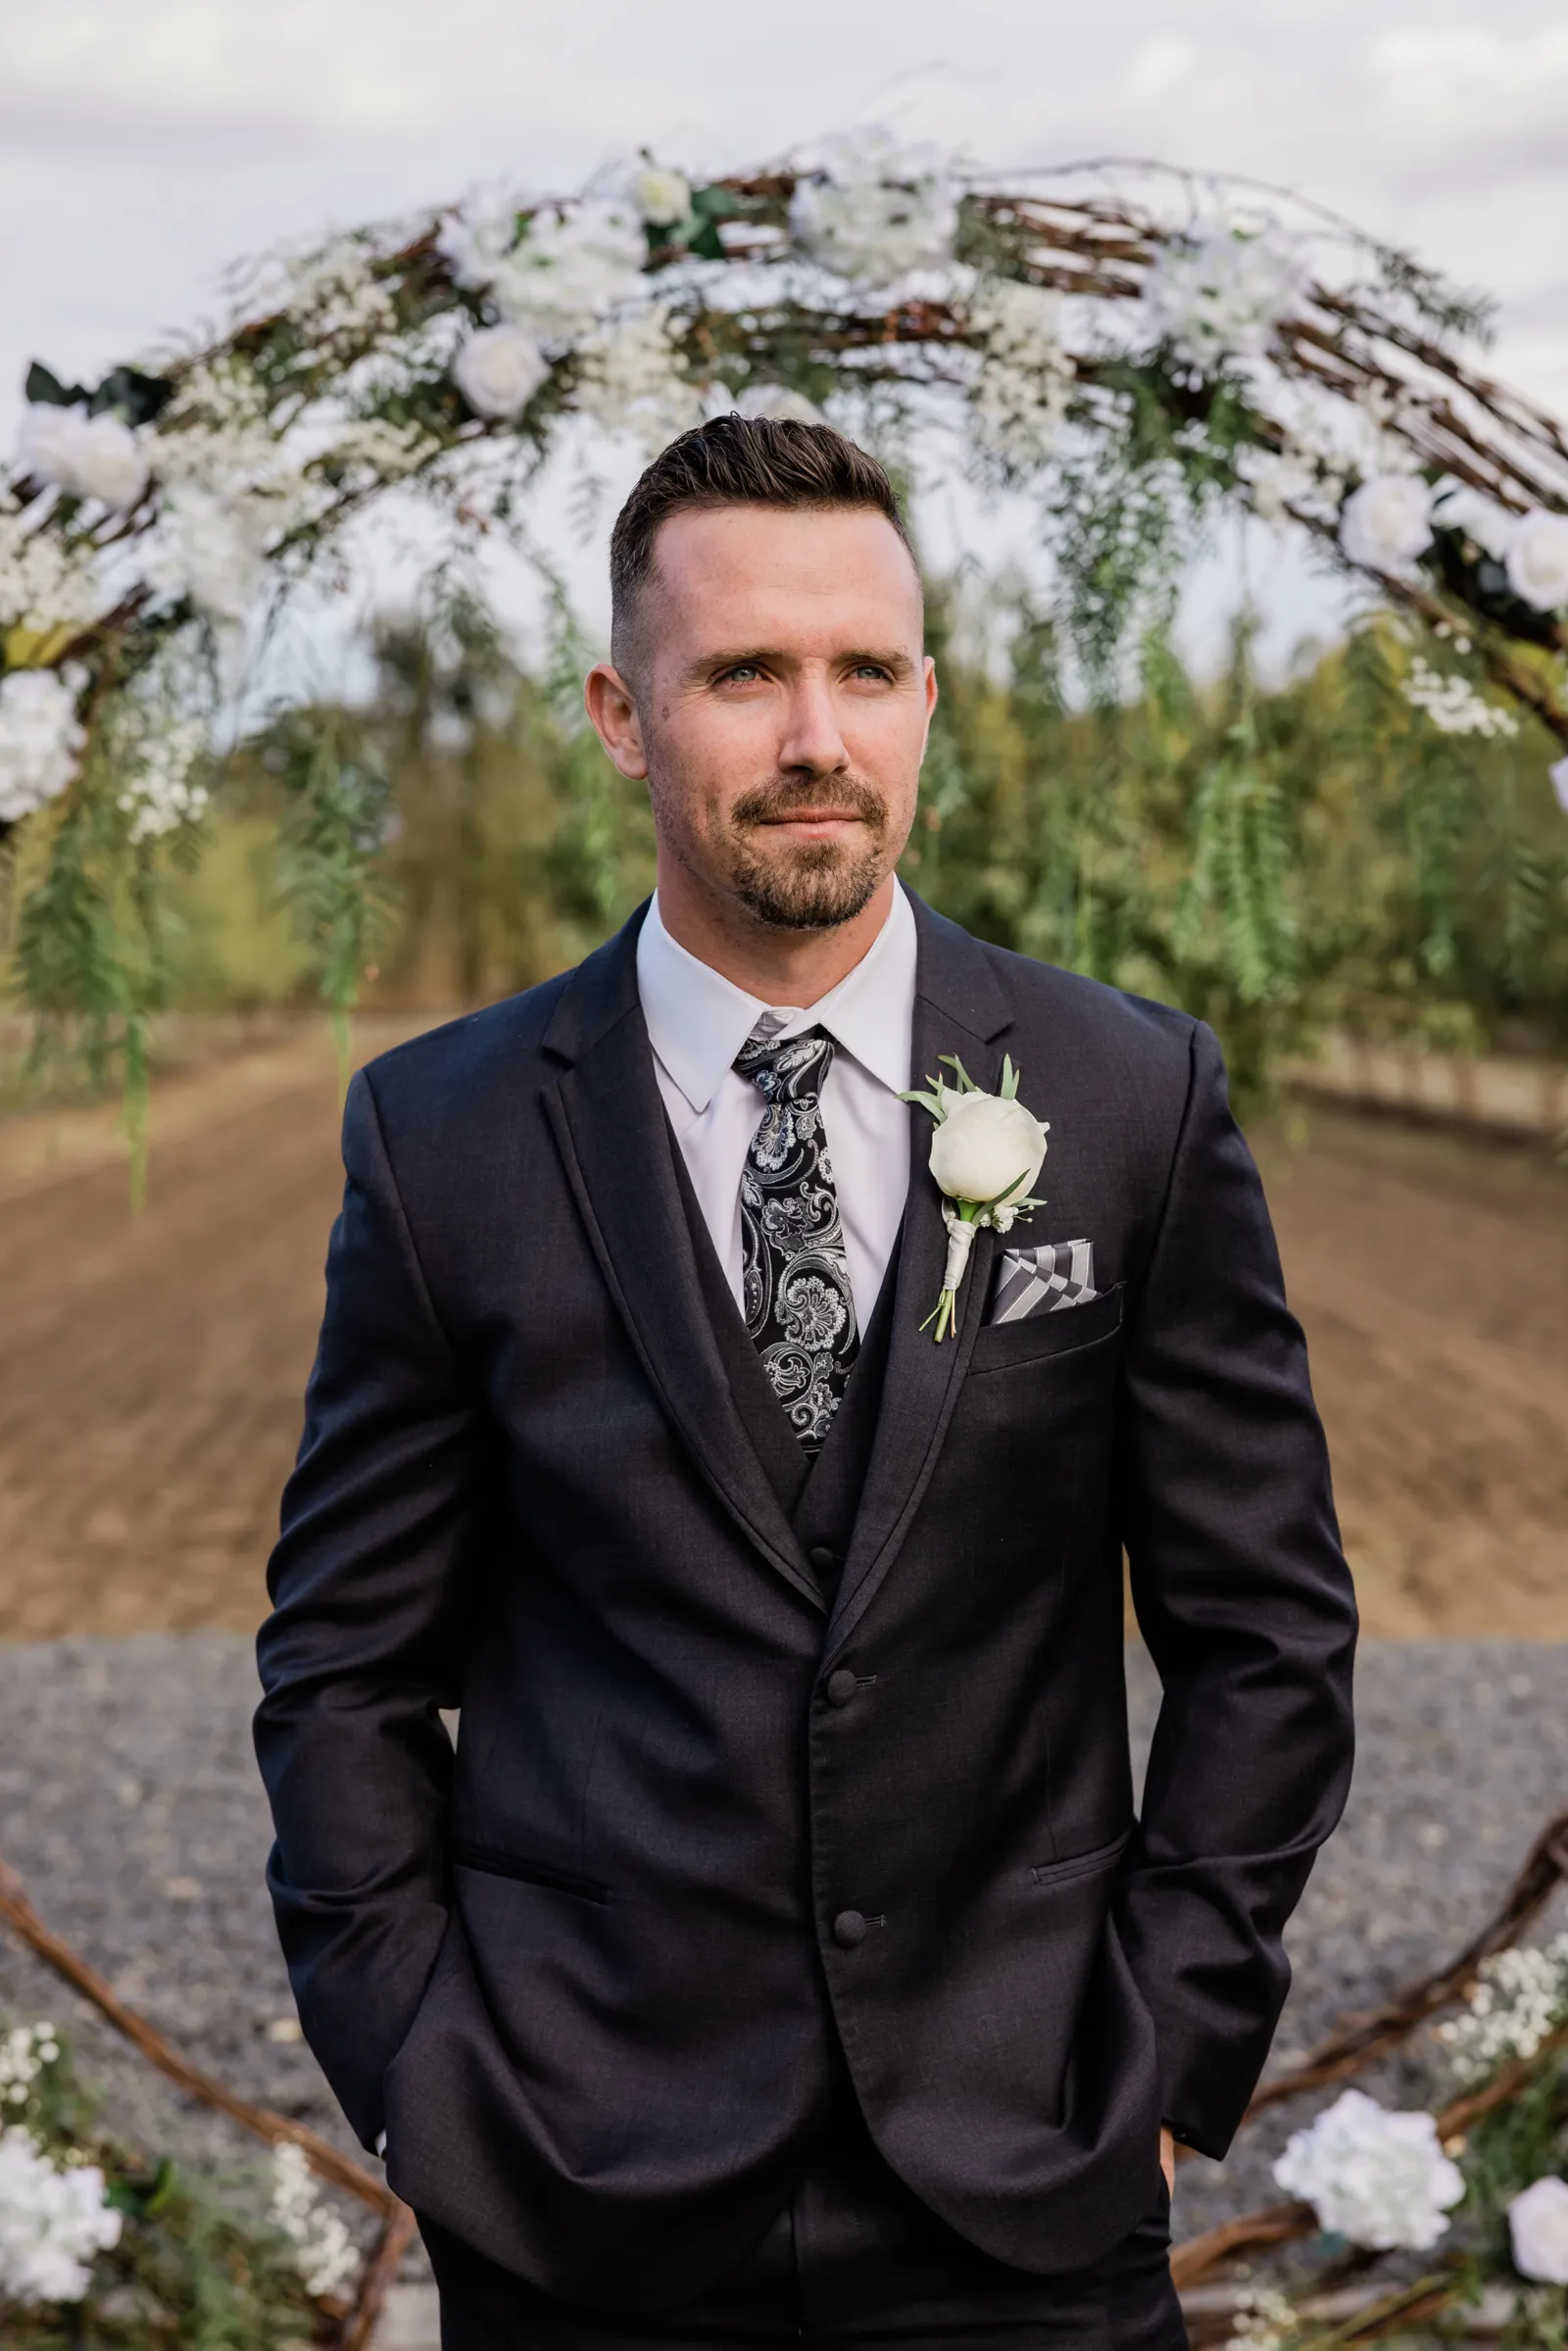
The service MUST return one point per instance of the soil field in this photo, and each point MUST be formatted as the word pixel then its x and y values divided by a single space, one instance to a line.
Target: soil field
pixel 150 1369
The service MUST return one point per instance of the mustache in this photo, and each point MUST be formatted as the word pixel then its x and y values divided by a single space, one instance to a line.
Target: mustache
pixel 769 804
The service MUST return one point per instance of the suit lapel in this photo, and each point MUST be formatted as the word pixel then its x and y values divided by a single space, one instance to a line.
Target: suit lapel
pixel 959 1008
pixel 615 1146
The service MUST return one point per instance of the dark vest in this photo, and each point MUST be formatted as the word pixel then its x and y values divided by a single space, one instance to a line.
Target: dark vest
pixel 821 1497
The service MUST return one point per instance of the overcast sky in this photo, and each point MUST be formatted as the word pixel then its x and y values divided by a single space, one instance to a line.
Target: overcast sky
pixel 145 142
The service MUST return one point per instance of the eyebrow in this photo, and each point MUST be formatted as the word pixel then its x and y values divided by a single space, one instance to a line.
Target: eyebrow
pixel 769 656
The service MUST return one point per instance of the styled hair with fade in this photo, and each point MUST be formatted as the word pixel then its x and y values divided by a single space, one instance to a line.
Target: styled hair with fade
pixel 737 461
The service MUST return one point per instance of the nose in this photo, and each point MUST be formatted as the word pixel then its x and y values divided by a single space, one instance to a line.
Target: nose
pixel 813 743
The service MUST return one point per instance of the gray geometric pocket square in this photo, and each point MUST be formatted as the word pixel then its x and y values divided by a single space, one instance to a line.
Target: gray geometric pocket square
pixel 1043 1280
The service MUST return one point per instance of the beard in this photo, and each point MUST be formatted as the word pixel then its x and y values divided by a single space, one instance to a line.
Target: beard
pixel 805 885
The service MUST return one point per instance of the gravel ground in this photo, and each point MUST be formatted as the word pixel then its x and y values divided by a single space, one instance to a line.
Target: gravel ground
pixel 130 1805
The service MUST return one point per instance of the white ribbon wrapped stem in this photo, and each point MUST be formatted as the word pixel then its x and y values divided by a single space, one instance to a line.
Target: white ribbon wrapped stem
pixel 960 1241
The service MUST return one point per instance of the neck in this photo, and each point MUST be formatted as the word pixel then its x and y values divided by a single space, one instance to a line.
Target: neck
pixel 779 966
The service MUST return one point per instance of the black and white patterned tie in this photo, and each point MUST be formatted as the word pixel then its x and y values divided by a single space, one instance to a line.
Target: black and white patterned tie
pixel 798 1308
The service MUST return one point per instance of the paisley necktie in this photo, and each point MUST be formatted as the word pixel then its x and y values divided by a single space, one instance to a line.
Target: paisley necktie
pixel 798 1303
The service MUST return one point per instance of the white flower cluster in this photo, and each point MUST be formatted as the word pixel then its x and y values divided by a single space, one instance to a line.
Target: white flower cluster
pixel 87 456
pixel 211 547
pixel 1378 2180
pixel 1538 2231
pixel 335 297
pixel 1453 703
pixel 158 794
pixel 631 380
pixel 41 738
pixel 45 582
pixel 1263 2318
pixel 1521 1996
pixel 53 2223
pixel 563 270
pixel 874 210
pixel 24 2052
pixel 324 2250
pixel 1025 381
pixel 1219 293
pixel 233 490
pixel 377 447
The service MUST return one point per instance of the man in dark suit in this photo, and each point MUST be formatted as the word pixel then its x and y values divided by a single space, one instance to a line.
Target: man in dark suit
pixel 779 1956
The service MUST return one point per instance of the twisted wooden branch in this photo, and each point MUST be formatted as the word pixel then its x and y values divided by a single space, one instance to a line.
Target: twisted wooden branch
pixel 260 2121
pixel 1360 2040
pixel 378 2274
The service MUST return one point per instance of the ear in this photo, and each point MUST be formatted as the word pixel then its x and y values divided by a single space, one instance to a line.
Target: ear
pixel 613 714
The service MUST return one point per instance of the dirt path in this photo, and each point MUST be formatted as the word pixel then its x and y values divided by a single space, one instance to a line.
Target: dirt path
pixel 151 1371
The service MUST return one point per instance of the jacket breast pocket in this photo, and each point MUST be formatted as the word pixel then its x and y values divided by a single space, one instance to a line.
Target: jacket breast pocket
pixel 1001 1345
pixel 491 1862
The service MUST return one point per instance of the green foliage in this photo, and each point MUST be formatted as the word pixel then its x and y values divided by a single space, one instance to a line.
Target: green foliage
pixel 92 950
pixel 1276 863
pixel 337 807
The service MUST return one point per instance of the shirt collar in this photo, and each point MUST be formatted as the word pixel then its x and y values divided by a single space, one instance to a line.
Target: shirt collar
pixel 697 1020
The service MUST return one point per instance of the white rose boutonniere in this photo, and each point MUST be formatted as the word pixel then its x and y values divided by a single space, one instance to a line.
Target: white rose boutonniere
pixel 987 1150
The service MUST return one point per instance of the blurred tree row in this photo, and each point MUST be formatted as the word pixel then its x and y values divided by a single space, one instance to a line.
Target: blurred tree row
pixel 1319 855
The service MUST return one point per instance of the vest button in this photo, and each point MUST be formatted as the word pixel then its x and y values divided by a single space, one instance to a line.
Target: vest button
pixel 823 1560
pixel 849 1928
pixel 841 1687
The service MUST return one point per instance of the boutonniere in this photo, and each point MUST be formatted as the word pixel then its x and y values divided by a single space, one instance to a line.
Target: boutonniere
pixel 987 1150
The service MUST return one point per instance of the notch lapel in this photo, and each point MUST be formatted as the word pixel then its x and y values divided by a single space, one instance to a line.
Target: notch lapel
pixel 958 1008
pixel 615 1145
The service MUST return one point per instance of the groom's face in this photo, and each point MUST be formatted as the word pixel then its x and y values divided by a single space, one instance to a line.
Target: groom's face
pixel 779 704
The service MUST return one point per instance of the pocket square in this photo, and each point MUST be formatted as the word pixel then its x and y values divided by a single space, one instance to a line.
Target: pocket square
pixel 1043 1280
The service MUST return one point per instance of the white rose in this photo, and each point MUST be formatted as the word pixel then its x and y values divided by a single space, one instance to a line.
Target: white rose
pixel 664 198
pixel 1388 521
pixel 499 369
pixel 1538 2229
pixel 1376 2178
pixel 87 456
pixel 1536 561
pixel 986 1145
pixel 875 210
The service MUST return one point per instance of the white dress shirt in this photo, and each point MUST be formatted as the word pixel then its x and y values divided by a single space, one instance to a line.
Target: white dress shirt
pixel 696 1023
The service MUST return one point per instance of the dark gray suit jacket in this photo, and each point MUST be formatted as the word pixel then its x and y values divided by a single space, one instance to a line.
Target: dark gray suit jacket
pixel 702 1830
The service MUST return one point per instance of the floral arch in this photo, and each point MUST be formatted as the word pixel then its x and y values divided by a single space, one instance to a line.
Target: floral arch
pixel 1128 347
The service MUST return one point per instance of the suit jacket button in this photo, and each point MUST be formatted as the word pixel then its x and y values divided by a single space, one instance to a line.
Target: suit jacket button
pixel 849 1928
pixel 841 1687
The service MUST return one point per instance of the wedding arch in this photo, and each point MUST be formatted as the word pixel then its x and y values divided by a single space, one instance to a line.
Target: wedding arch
pixel 1129 348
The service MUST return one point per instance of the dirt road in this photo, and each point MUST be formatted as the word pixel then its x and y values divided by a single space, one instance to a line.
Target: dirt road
pixel 151 1371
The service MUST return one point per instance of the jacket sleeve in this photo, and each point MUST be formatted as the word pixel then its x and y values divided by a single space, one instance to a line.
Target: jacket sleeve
pixel 362 1649
pixel 1244 1600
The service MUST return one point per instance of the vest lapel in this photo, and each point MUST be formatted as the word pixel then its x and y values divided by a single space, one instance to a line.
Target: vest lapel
pixel 615 1146
pixel 959 1008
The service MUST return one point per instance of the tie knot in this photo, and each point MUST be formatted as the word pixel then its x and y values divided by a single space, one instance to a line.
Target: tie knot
pixel 785 1069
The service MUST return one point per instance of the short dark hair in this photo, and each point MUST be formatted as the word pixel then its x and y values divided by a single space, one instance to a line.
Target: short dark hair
pixel 738 460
